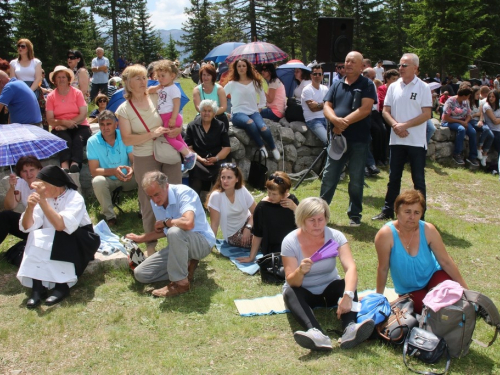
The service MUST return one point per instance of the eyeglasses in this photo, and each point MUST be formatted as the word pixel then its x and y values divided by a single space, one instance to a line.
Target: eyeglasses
pixel 102 101
pixel 276 179
pixel 72 57
pixel 228 165
pixel 22 46
pixel 317 74
pixel 403 65
pixel 340 66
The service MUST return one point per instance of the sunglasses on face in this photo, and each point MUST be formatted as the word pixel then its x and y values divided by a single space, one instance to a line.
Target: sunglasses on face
pixel 102 101
pixel 228 165
pixel 72 57
pixel 341 67
pixel 403 65
pixel 276 179
pixel 22 46
pixel 317 74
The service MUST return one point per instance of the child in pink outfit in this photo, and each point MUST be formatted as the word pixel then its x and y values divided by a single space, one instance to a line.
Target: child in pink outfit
pixel 169 104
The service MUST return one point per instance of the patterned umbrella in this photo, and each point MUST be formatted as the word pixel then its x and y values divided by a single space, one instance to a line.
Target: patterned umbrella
pixel 257 53
pixel 17 140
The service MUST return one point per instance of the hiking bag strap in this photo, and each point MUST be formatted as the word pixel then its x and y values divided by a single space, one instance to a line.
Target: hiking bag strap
pixel 484 305
pixel 448 360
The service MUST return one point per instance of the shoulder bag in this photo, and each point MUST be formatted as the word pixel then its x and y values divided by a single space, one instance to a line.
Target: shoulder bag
pixel 163 152
pixel 400 322
pixel 257 176
pixel 426 347
pixel 271 268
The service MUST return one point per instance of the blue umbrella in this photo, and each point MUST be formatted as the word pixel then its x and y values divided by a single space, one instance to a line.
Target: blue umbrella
pixel 219 53
pixel 286 75
pixel 17 140
pixel 118 97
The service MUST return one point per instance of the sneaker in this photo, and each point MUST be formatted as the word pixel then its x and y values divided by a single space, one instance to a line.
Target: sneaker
pixel 367 172
pixel 458 159
pixel 313 339
pixel 355 334
pixel 383 216
pixel 355 221
pixel 483 160
pixel 373 170
pixel 112 222
pixel 276 154
pixel 74 168
pixel 264 152
pixel 479 155
pixel 473 162
pixel 189 161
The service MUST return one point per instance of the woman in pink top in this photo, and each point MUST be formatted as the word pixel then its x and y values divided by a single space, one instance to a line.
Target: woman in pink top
pixel 67 114
pixel 275 95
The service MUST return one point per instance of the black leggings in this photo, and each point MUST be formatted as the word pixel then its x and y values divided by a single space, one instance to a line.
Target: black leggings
pixel 300 302
pixel 76 139
pixel 10 225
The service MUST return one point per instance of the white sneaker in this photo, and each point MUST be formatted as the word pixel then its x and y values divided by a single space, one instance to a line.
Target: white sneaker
pixel 276 154
pixel 355 334
pixel 264 151
pixel 313 339
pixel 483 160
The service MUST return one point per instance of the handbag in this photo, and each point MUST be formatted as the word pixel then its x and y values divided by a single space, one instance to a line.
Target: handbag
pixel 271 268
pixel 163 152
pixel 15 254
pixel 427 347
pixel 400 321
pixel 257 176
pixel 294 111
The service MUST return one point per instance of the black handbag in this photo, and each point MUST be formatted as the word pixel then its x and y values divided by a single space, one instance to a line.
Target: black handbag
pixel 15 254
pixel 294 111
pixel 257 176
pixel 271 268
pixel 427 347
pixel 400 322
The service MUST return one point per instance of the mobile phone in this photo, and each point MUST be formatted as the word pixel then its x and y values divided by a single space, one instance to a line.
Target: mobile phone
pixel 355 306
pixel 356 101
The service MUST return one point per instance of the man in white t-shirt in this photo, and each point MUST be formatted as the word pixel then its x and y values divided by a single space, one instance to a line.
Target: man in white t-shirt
pixel 407 107
pixel 312 104
pixel 379 71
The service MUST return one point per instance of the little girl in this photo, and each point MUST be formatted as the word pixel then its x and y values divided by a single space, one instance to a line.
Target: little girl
pixel 169 104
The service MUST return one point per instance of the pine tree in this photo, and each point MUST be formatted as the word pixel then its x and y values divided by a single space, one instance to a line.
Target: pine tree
pixel 150 44
pixel 6 38
pixel 170 51
pixel 198 28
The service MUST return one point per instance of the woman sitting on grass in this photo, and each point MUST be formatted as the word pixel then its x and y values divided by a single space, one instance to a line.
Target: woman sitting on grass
pixel 413 251
pixel 318 284
pixel 231 206
pixel 274 217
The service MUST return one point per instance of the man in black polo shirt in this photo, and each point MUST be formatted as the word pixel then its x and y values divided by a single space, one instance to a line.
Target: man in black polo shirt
pixel 348 106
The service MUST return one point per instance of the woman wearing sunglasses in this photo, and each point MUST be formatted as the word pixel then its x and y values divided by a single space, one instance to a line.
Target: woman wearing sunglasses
pixel 274 217
pixel 81 82
pixel 101 101
pixel 231 207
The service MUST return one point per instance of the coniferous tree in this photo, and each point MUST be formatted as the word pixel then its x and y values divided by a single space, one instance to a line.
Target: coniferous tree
pixel 6 37
pixel 198 28
pixel 150 44
pixel 170 51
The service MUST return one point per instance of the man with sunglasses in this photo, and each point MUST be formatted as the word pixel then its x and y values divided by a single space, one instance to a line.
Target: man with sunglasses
pixel 110 163
pixel 312 104
pixel 407 107
pixel 339 71
pixel 100 67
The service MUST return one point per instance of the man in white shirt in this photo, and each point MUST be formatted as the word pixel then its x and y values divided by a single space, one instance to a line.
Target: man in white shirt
pixel 100 67
pixel 379 71
pixel 407 107
pixel 312 104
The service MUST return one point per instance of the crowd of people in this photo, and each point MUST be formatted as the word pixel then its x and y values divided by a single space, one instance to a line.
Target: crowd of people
pixel 140 146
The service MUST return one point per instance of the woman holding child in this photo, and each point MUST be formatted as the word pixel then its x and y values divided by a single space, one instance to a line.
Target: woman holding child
pixel 231 207
pixel 140 123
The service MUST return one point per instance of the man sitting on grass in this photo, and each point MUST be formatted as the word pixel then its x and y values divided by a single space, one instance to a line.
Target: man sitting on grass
pixel 181 218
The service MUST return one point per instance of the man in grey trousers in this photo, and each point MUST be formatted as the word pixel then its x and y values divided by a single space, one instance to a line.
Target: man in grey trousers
pixel 180 217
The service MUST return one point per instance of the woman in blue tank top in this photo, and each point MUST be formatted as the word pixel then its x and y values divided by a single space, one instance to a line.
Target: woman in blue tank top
pixel 413 251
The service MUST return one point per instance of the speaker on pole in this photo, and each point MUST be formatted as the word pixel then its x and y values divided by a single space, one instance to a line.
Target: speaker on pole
pixel 334 39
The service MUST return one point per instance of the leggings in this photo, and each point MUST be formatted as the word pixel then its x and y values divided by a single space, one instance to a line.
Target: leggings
pixel 10 225
pixel 300 302
pixel 176 142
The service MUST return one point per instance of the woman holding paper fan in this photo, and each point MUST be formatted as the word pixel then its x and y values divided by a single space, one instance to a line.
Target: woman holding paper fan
pixel 317 283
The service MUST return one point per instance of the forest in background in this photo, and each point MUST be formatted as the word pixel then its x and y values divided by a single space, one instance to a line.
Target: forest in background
pixel 448 35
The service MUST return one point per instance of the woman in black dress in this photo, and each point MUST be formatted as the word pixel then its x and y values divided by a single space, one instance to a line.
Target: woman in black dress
pixel 274 217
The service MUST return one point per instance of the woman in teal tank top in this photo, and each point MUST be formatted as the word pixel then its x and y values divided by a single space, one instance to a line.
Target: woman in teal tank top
pixel 208 89
pixel 413 251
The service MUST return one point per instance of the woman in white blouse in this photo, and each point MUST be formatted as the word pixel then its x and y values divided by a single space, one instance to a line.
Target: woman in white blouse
pixel 244 86
pixel 231 207
pixel 61 239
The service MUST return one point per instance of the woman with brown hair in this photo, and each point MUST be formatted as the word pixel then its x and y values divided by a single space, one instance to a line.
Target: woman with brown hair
pixel 231 207
pixel 134 115
pixel 101 101
pixel 76 62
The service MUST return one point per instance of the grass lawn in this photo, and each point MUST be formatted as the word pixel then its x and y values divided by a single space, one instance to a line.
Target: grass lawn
pixel 111 324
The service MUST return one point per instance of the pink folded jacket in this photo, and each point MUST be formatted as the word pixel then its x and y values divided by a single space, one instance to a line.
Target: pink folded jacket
pixel 444 294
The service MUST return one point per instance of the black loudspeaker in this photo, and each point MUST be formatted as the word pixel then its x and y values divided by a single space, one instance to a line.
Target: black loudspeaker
pixel 334 39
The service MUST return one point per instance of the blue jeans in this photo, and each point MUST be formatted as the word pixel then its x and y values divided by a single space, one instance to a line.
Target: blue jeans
pixel 399 155
pixel 355 154
pixel 318 127
pixel 254 128
pixel 496 141
pixel 269 114
pixel 431 129
pixel 486 137
pixel 459 141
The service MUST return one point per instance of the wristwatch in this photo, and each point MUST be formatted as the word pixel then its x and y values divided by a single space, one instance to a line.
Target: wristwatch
pixel 248 226
pixel 349 293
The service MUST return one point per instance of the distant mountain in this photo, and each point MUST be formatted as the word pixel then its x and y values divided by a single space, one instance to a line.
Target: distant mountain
pixel 176 36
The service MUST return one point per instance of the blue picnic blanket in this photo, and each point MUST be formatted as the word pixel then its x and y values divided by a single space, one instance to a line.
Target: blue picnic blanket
pixel 233 252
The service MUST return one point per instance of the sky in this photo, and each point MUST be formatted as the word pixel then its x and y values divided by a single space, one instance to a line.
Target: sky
pixel 167 14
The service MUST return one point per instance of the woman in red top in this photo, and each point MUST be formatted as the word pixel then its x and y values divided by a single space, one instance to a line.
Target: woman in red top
pixel 67 115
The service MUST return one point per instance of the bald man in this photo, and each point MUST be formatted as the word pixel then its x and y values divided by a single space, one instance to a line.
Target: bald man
pixel 347 107
pixel 21 101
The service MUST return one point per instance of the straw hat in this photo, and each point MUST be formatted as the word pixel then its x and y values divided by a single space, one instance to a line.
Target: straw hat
pixel 58 69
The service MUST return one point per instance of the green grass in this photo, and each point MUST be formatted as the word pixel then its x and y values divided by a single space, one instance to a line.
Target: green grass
pixel 188 112
pixel 111 324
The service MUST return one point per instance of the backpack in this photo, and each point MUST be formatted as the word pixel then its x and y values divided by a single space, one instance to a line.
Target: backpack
pixel 456 323
pixel 374 306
